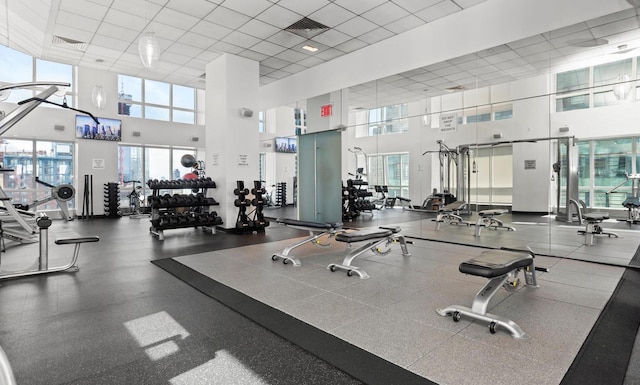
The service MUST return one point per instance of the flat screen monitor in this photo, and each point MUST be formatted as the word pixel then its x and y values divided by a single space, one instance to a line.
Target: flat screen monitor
pixel 108 129
pixel 289 145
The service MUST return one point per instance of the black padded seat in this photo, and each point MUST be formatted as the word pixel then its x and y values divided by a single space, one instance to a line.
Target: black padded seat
pixel 394 229
pixel 363 235
pixel 315 225
pixel 69 241
pixel 631 202
pixel 595 216
pixel 494 263
pixel 492 212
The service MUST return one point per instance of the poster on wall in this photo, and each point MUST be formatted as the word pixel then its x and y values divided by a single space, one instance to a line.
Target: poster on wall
pixel 448 122
pixel 108 129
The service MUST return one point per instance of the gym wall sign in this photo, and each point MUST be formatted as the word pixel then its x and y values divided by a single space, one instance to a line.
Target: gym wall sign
pixel 448 122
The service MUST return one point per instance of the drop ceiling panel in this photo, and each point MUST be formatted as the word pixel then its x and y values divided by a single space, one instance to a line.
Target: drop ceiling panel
pixel 279 17
pixel 376 35
pixel 332 15
pixel 404 24
pixel 286 39
pixel 359 7
pixel 438 11
pixel 248 7
pixel 258 29
pixel 176 19
pixel 385 13
pixel 331 38
pixel 305 7
pixel 356 26
pixel 416 5
pixel 351 45
pixel 212 30
pixel 84 8
pixel 195 8
pixel 241 39
pixel 268 48
pixel 227 17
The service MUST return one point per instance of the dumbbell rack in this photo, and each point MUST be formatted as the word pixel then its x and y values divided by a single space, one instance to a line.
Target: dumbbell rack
pixel 255 220
pixel 179 211
pixel 354 199
pixel 112 200
pixel 281 194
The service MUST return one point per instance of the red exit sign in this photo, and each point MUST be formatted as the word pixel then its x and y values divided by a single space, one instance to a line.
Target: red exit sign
pixel 326 110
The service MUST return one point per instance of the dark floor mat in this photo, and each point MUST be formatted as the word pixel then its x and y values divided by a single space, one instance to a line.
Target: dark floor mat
pixel 359 363
pixel 604 356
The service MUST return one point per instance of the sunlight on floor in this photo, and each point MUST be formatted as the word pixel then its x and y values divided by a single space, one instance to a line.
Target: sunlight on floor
pixel 157 333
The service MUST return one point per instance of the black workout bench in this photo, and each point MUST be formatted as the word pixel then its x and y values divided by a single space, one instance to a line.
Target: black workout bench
pixel 376 237
pixel 450 213
pixel 593 227
pixel 501 267
pixel 487 218
pixel 316 231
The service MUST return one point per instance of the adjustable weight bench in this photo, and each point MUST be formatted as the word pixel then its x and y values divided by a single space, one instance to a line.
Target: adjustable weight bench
pixel 316 231
pixel 449 213
pixel 487 219
pixel 376 237
pixel 502 268
pixel 593 227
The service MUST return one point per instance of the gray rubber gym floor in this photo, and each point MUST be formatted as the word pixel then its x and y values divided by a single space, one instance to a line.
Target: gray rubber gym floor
pixel 120 319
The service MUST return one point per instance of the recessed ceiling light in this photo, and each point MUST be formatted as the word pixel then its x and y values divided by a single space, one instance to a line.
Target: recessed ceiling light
pixel 310 48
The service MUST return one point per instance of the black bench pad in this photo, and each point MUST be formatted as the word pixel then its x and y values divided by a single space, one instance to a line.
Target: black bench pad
pixel 492 212
pixel 69 241
pixel 494 263
pixel 595 216
pixel 631 202
pixel 309 224
pixel 394 229
pixel 363 235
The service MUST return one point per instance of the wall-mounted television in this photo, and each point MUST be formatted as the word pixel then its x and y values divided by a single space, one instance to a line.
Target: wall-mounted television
pixel 289 145
pixel 108 129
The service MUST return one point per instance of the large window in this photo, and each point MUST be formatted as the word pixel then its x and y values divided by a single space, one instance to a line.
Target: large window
pixel 603 167
pixel 17 67
pixel 388 120
pixel 391 170
pixel 150 99
pixel 50 162
pixel 141 163
pixel 492 175
pixel 601 85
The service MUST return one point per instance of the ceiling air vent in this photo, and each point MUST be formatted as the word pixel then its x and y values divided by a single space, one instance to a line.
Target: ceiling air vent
pixel 69 43
pixel 456 88
pixel 306 28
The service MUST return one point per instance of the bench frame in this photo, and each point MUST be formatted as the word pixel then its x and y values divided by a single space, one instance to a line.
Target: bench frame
pixel 43 261
pixel 450 214
pixel 315 233
pixel 593 227
pixel 388 235
pixel 487 219
pixel 478 309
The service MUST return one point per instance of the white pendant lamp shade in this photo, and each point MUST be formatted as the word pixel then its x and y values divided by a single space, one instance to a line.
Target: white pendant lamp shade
pixel 99 97
pixel 148 49
pixel 623 87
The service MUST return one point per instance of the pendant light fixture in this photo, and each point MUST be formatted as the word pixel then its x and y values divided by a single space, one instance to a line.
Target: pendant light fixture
pixel 622 88
pixel 98 94
pixel 148 47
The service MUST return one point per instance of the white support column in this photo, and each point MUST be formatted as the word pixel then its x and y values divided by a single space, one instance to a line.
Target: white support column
pixel 231 138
